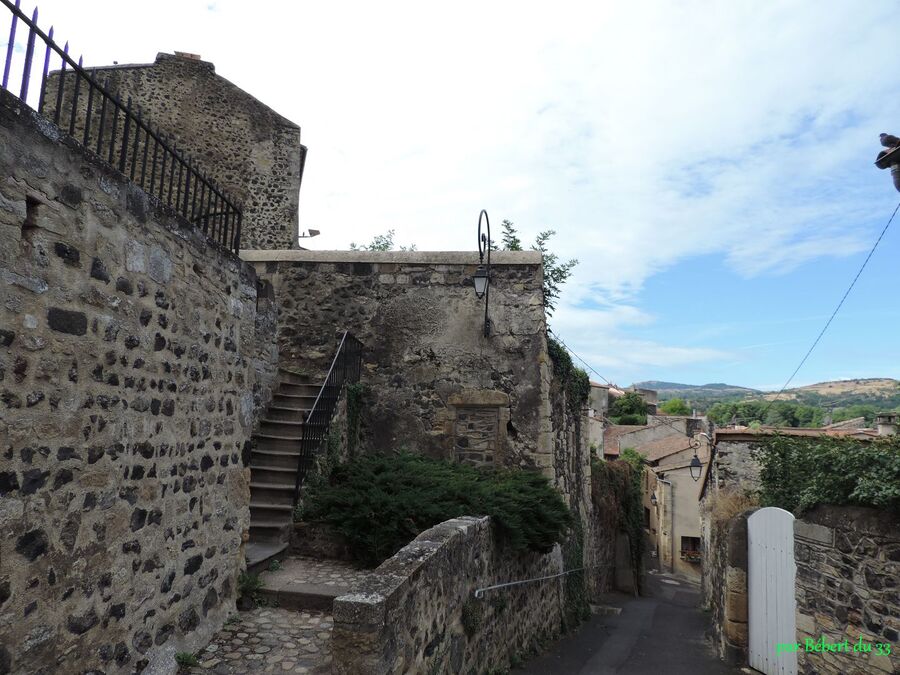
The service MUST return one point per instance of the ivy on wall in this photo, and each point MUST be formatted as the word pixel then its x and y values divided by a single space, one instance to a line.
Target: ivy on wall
pixel 798 472
pixel 575 381
pixel 617 496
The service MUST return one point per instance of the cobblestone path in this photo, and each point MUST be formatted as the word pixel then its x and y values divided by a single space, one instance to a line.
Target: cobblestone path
pixel 269 640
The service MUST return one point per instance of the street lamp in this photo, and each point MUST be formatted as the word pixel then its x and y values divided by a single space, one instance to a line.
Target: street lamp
pixel 482 278
pixel 653 499
pixel 696 468
pixel 696 464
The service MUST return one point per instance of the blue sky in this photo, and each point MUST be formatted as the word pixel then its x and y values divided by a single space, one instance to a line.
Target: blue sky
pixel 709 163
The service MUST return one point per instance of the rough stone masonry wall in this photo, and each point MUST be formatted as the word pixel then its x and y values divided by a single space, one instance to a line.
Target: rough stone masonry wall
pixel 725 588
pixel 425 360
pixel 417 612
pixel 246 147
pixel 133 360
pixel 734 467
pixel 848 587
pixel 589 544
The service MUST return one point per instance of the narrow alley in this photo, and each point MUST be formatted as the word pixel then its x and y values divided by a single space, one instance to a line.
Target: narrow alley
pixel 663 632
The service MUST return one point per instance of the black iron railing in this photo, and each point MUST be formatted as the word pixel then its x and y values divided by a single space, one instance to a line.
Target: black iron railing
pixel 345 369
pixel 92 115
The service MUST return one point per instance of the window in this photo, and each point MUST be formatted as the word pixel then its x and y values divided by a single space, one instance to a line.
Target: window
pixel 646 518
pixel 690 549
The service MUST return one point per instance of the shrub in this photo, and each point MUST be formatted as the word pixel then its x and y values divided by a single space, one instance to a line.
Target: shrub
pixel 186 659
pixel 380 503
pixel 798 472
pixel 723 505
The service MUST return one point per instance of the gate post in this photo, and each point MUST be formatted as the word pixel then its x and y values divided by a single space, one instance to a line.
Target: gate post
pixel 734 630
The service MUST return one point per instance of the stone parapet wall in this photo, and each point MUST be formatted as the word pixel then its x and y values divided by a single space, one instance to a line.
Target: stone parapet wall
pixel 134 359
pixel 434 377
pixel 417 612
pixel 848 588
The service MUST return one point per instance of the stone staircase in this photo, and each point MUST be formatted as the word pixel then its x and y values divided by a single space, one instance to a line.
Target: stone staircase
pixel 273 467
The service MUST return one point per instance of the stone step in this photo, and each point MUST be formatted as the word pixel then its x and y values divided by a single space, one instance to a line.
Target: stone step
pixel 294 400
pixel 286 413
pixel 258 554
pixel 270 427
pixel 270 530
pixel 264 511
pixel 271 493
pixel 294 377
pixel 273 474
pixel 261 457
pixel 298 596
pixel 291 389
pixel 279 443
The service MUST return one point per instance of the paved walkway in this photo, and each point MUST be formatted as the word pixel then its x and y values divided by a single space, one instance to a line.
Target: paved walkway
pixel 270 640
pixel 661 633
pixel 314 572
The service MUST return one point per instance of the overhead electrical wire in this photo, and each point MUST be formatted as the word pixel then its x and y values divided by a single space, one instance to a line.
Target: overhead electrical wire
pixel 834 313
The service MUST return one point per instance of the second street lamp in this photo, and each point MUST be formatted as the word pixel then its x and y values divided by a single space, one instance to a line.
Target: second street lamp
pixel 482 278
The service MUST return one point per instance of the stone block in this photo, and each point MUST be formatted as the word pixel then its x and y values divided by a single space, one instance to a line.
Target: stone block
pixel 736 632
pixel 813 532
pixel 736 606
pixel 805 623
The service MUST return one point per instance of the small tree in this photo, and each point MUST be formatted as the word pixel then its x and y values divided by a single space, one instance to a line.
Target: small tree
pixel 510 238
pixel 556 273
pixel 675 406
pixel 629 409
pixel 381 242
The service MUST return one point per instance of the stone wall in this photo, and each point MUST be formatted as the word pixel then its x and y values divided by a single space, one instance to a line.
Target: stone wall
pixel 134 357
pixel 438 386
pixel 848 588
pixel 417 612
pixel 725 588
pixel 246 147
pixel 733 466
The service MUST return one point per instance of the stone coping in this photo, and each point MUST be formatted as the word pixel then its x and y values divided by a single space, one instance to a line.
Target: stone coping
pixel 367 604
pixel 415 257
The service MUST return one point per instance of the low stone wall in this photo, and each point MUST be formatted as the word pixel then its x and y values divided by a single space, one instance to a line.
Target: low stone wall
pixel 725 588
pixel 417 612
pixel 134 357
pixel 848 588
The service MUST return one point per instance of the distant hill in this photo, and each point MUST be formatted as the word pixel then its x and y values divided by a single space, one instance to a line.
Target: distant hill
pixel 881 392
pixel 714 390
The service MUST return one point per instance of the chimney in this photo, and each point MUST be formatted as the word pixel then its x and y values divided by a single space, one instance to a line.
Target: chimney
pixel 886 423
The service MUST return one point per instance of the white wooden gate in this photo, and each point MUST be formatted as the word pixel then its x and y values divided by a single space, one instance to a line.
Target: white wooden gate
pixel 770 580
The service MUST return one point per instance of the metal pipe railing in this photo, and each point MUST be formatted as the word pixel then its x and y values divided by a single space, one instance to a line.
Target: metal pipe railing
pixel 345 369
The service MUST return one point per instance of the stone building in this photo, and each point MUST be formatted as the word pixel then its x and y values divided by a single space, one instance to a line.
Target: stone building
pixel 250 150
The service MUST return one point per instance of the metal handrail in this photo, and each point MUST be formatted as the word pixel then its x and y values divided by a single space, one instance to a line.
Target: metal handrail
pixel 206 206
pixel 345 369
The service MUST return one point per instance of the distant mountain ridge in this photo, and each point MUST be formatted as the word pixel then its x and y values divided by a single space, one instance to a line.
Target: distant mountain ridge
pixel 676 389
pixel 881 391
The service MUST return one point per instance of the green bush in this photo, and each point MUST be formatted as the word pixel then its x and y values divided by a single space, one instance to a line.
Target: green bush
pixel 799 472
pixel 380 503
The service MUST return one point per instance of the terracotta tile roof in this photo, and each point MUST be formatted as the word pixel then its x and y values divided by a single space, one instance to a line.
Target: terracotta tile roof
pixel 743 433
pixel 656 450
